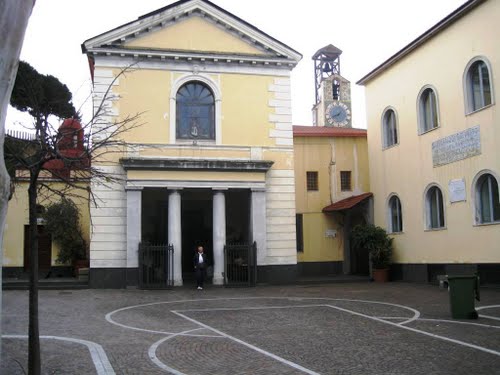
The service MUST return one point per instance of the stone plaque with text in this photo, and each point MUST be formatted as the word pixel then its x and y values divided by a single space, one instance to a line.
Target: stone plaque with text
pixel 456 147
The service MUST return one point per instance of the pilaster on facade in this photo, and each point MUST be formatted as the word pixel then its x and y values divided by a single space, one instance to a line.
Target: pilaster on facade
pixel 281 116
pixel 280 216
pixel 104 82
pixel 104 96
pixel 108 243
pixel 258 223
pixel 134 225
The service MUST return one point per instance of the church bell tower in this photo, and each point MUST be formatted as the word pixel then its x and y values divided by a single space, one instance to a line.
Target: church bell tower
pixel 332 91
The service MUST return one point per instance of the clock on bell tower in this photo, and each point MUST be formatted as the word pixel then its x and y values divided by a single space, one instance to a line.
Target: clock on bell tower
pixel 333 92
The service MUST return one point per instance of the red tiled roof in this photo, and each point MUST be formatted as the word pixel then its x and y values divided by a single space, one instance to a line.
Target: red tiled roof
pixel 347 203
pixel 323 131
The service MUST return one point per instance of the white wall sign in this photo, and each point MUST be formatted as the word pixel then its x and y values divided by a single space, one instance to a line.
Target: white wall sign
pixel 456 189
pixel 330 233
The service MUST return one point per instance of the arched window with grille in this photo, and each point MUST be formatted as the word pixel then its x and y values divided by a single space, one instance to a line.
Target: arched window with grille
pixel 434 207
pixel 395 215
pixel 428 116
pixel 389 128
pixel 195 112
pixel 487 200
pixel 477 85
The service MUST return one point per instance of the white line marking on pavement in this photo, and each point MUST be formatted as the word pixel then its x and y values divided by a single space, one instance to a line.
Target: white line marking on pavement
pixel 487 307
pixel 108 317
pixel 110 320
pixel 463 343
pixel 279 359
pixel 154 347
pixel 416 313
pixel 99 357
pixel 393 317
pixel 460 322
pixel 249 308
pixel 488 316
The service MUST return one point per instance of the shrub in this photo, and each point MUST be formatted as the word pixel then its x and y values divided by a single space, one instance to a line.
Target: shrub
pixel 376 241
pixel 63 222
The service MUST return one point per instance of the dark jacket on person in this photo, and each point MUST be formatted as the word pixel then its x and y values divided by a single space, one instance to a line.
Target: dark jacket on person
pixel 196 260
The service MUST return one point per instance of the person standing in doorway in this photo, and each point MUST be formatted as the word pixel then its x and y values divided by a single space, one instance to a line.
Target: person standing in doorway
pixel 200 266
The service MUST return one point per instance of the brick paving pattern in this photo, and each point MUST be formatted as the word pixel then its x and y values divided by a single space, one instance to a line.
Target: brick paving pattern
pixel 344 329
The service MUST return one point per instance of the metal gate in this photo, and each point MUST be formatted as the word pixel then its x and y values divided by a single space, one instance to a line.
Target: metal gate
pixel 240 264
pixel 156 266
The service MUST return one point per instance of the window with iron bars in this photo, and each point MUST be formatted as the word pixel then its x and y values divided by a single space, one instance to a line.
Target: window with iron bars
pixel 345 181
pixel 312 181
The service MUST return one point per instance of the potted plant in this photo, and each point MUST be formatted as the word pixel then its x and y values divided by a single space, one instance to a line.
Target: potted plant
pixel 379 246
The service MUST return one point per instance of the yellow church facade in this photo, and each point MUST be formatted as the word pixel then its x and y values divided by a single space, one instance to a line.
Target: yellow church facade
pixel 433 140
pixel 213 161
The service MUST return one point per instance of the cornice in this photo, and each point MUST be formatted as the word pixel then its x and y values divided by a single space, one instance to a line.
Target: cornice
pixel 191 57
pixel 196 164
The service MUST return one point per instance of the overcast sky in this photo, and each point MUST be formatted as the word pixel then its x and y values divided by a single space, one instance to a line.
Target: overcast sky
pixel 367 31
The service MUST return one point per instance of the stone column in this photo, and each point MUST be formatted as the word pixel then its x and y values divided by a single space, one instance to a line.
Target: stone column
pixel 258 222
pixel 134 209
pixel 219 235
pixel 175 233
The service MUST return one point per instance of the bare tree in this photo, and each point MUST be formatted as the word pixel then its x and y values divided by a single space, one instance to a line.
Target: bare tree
pixel 69 154
pixel 14 15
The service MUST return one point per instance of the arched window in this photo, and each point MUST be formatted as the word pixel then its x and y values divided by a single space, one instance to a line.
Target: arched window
pixel 487 199
pixel 395 215
pixel 195 112
pixel 428 118
pixel 478 90
pixel 389 128
pixel 434 208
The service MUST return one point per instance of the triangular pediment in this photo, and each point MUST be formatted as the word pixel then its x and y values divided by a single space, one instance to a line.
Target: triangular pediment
pixel 192 28
pixel 195 33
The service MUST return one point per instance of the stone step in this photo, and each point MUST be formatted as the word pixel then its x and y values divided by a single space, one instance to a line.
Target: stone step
pixel 44 285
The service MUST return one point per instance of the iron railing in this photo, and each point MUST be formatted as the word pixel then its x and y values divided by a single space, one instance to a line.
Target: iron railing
pixel 156 266
pixel 240 264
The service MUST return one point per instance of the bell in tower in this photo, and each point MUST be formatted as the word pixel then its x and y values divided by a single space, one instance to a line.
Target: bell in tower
pixel 326 63
pixel 332 91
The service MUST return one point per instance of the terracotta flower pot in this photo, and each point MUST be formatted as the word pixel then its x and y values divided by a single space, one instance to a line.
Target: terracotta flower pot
pixel 381 275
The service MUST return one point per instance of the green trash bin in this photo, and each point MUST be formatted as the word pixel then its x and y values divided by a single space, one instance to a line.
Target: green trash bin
pixel 463 290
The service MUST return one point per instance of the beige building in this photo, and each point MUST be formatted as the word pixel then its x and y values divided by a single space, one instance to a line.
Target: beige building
pixel 433 139
pixel 213 162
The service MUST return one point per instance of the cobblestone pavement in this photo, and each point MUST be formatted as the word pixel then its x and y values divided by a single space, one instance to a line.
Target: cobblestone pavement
pixel 348 328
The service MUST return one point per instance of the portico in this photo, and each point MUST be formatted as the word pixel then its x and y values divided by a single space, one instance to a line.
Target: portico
pixel 177 198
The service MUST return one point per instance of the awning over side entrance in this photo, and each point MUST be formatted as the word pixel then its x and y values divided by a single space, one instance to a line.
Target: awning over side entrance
pixel 347 203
